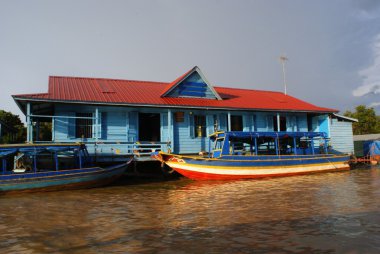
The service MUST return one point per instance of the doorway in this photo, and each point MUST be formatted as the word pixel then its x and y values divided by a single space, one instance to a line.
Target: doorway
pixel 236 123
pixel 149 127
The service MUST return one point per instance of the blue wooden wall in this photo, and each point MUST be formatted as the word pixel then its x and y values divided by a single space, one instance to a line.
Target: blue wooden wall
pixel 341 136
pixel 120 124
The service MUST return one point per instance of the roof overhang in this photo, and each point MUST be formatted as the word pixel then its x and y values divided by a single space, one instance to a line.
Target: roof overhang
pixel 346 118
pixel 20 101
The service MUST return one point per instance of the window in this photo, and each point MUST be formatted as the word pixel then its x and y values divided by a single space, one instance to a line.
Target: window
pixel 282 123
pixel 200 126
pixel 83 126
pixel 216 123
pixel 236 123
pixel 310 125
pixel 179 117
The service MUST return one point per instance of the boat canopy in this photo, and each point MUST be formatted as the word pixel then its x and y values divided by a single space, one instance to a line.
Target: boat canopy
pixel 36 149
pixel 242 142
pixel 30 153
pixel 282 134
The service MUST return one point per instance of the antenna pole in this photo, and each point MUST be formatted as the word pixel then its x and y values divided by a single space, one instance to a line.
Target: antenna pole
pixel 283 59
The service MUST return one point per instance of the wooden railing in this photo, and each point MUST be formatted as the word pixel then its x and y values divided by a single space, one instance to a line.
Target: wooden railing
pixel 137 149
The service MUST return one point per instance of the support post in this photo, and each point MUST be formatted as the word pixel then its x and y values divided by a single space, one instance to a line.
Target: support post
pixel 29 128
pixel 38 130
pixel 170 129
pixel 229 121
pixel 56 160
pixel 96 124
pixel 278 121
pixel 52 129
pixel 312 145
pixel 276 141
pixel 35 162
pixel 295 145
pixel 209 148
pixel 80 158
pixel 4 166
pixel 256 148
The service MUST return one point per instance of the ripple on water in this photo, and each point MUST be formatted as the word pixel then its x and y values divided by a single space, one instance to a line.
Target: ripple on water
pixel 324 213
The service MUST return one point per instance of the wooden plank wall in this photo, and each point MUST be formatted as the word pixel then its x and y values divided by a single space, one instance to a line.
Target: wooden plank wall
pixel 341 136
pixel 120 124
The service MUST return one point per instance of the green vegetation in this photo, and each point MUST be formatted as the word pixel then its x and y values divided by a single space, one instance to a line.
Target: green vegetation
pixel 369 122
pixel 12 129
pixel 44 133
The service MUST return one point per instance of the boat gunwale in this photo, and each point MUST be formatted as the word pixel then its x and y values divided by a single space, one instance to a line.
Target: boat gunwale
pixel 40 145
pixel 279 159
pixel 253 167
pixel 57 174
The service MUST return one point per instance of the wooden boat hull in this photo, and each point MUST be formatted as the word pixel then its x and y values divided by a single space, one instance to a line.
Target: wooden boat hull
pixel 233 167
pixel 61 180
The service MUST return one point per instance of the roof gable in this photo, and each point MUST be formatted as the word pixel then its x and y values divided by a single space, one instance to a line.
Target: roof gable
pixel 192 84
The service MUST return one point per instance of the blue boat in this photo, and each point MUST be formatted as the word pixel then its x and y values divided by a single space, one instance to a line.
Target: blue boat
pixel 52 167
pixel 237 155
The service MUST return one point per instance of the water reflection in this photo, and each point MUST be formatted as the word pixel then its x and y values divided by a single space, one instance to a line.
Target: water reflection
pixel 324 213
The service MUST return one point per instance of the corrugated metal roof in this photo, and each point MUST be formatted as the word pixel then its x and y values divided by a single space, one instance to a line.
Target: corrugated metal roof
pixel 367 137
pixel 346 118
pixel 147 93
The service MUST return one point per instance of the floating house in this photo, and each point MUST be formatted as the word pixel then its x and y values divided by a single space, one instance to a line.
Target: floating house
pixel 126 116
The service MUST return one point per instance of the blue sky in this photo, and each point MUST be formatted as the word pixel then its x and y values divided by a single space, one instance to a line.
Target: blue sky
pixel 333 46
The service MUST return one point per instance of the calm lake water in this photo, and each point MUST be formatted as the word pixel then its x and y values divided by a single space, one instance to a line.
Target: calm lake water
pixel 324 213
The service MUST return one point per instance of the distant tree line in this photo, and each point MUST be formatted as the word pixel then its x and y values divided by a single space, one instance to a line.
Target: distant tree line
pixel 12 130
pixel 369 122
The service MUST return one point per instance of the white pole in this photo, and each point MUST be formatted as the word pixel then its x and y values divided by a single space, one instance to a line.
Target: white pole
pixel 28 123
pixel 170 129
pixel 229 121
pixel 283 59
pixel 96 124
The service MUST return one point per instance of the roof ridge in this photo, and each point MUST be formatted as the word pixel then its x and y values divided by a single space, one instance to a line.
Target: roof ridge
pixel 109 79
pixel 30 94
pixel 256 90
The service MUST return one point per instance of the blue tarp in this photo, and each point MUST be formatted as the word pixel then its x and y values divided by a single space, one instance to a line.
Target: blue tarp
pixel 371 147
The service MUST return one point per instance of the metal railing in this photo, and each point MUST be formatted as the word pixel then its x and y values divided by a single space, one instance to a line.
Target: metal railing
pixel 128 148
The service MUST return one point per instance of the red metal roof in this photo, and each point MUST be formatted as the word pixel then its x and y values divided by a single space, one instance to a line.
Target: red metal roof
pixel 146 93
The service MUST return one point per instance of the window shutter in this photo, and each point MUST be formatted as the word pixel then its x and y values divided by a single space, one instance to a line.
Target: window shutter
pixel 294 123
pixel 103 125
pixel 247 123
pixel 71 125
pixel 132 126
pixel 270 126
pixel 210 124
pixel 164 127
pixel 254 124
pixel 191 126
pixel 298 123
pixel 223 122
pixel 96 131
